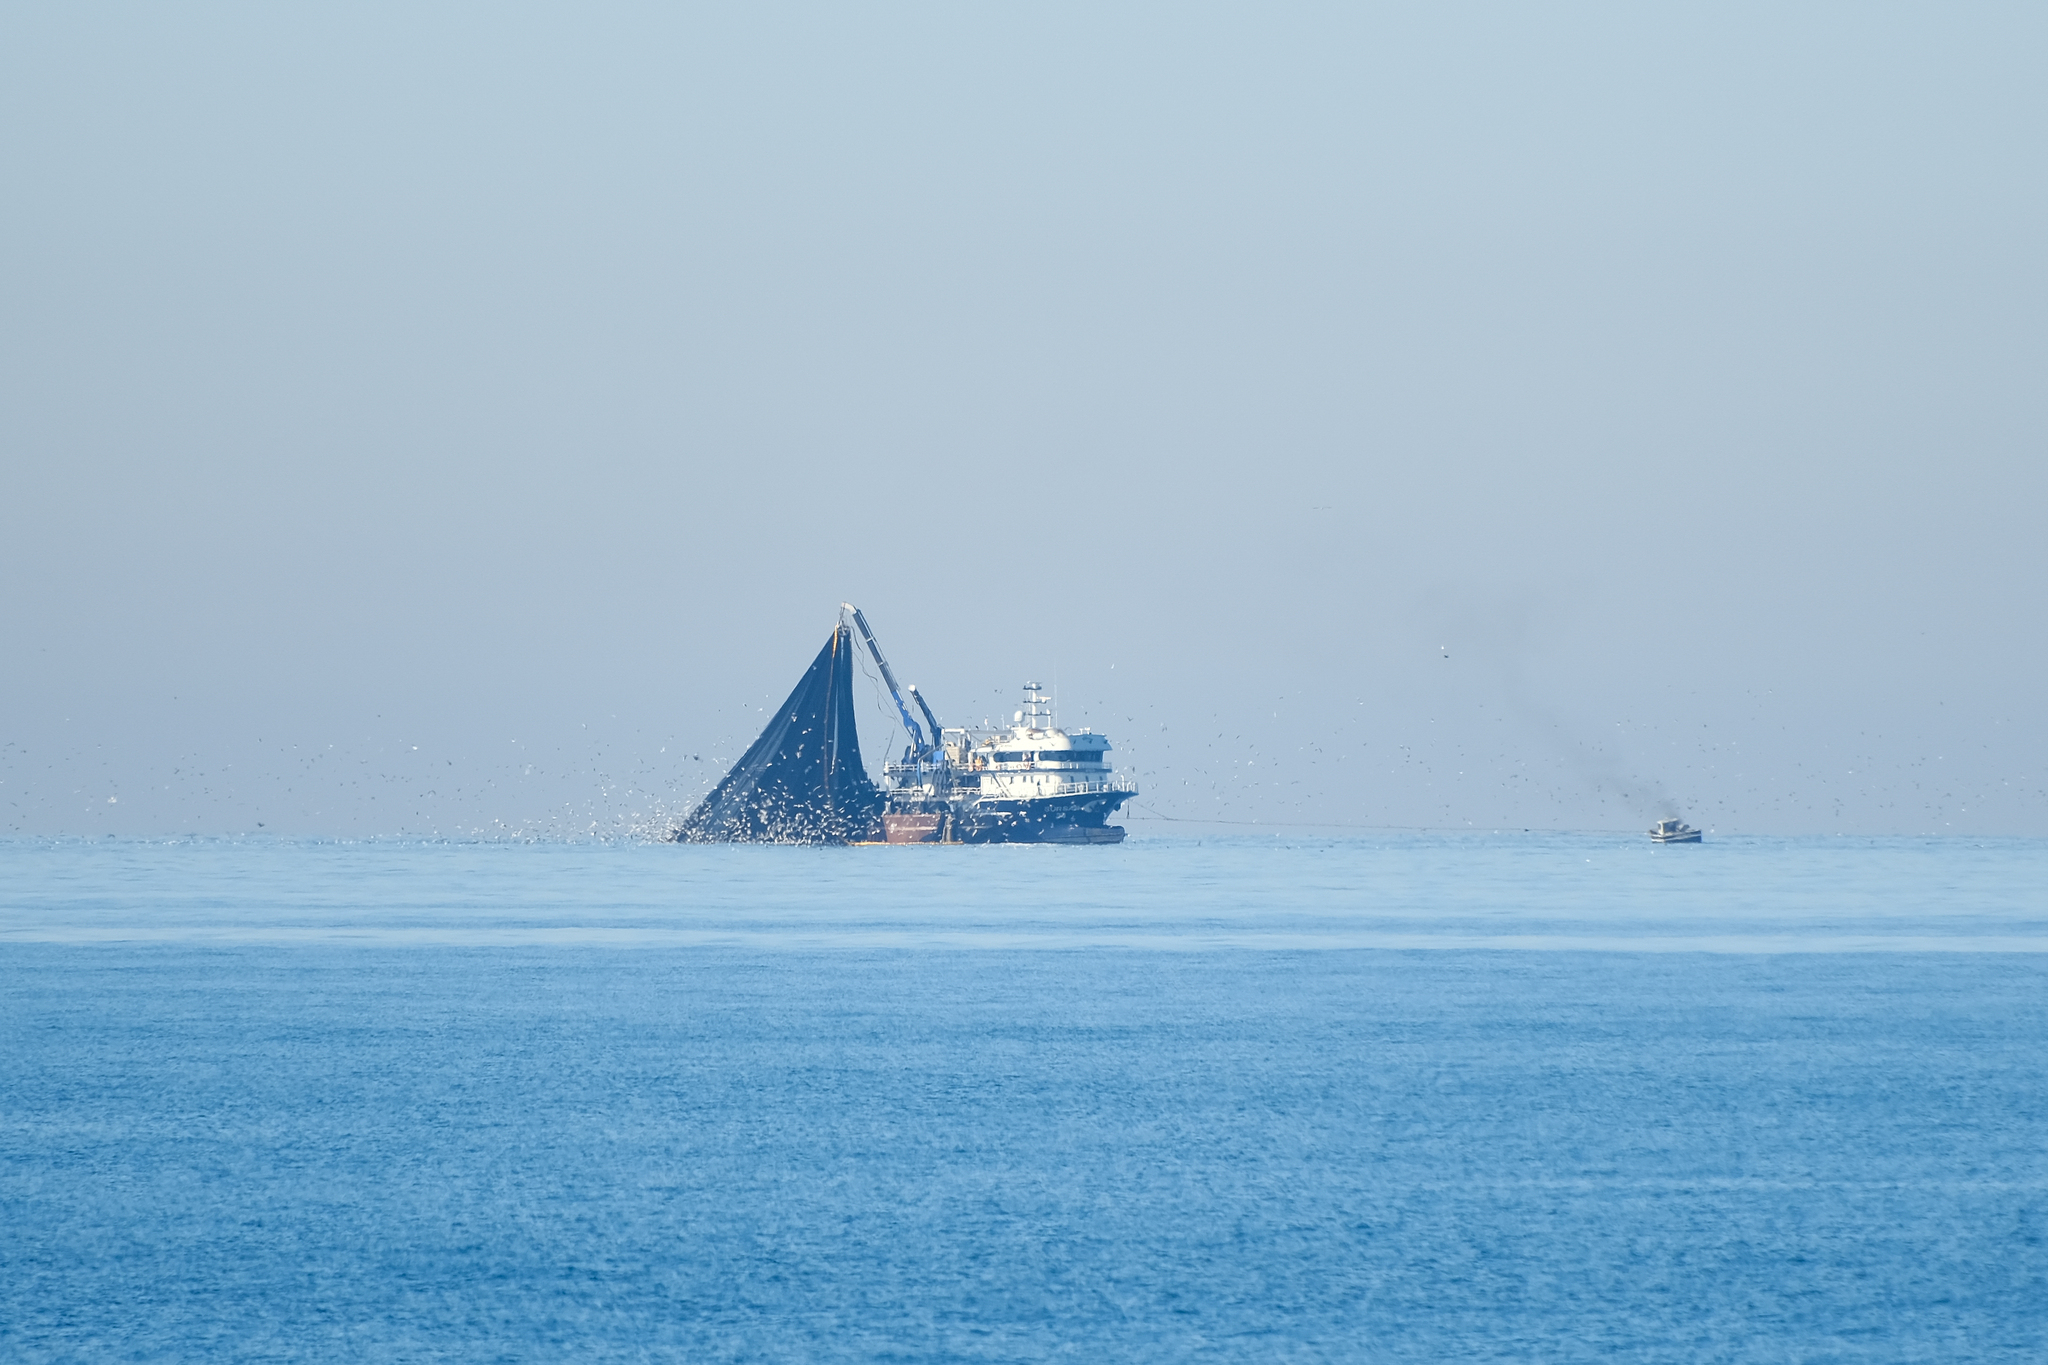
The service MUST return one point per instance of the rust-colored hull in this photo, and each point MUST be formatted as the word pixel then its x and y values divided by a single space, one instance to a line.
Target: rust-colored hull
pixel 912 829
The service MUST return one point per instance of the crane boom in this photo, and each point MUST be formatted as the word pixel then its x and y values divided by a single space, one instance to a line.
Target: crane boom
pixel 889 678
pixel 925 707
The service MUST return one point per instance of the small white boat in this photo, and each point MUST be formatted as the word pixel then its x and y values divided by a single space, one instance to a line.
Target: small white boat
pixel 1673 832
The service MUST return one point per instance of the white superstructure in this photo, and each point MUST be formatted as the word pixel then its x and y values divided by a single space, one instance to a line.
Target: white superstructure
pixel 1031 781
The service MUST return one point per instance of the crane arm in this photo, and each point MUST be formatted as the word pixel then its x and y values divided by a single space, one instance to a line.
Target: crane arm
pixel 925 707
pixel 888 677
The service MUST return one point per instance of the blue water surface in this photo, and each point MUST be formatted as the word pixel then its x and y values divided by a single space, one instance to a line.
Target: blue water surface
pixel 1401 1099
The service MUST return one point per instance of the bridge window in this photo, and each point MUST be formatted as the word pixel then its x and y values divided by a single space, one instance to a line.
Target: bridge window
pixel 1052 756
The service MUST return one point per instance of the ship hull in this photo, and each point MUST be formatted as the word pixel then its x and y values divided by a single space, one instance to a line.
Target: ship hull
pixel 914 827
pixel 1077 819
pixel 1069 818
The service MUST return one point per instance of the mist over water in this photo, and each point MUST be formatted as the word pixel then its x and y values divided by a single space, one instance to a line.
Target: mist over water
pixel 1228 889
pixel 413 433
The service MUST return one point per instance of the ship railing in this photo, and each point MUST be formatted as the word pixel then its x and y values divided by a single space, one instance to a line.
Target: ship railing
pixel 1116 783
pixel 904 777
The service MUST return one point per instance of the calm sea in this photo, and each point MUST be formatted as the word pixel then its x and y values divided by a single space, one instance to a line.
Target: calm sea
pixel 1532 1098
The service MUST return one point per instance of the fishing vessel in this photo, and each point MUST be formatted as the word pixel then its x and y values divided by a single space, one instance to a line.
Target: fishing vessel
pixel 802 781
pixel 1031 782
pixel 1673 832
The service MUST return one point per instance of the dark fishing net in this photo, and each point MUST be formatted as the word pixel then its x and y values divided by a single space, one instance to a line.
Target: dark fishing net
pixel 802 781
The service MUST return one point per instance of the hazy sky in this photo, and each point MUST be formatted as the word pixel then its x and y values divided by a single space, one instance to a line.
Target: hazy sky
pixel 464 418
